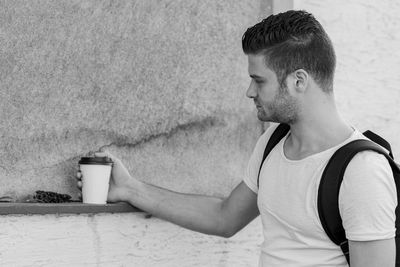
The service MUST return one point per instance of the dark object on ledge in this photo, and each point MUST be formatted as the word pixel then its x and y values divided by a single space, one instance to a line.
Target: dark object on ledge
pixel 51 197
pixel 6 199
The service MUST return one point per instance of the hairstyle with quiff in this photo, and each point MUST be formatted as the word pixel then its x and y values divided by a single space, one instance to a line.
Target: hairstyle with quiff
pixel 290 41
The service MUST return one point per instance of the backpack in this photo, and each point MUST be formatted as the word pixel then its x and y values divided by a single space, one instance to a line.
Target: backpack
pixel 332 176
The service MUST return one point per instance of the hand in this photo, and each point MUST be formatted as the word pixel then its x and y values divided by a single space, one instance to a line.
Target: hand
pixel 120 180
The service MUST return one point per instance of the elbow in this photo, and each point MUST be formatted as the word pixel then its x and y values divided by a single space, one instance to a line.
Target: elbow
pixel 226 225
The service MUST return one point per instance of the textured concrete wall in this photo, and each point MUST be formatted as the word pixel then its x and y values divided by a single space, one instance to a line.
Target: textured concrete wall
pixel 159 83
pixel 119 240
pixel 367 41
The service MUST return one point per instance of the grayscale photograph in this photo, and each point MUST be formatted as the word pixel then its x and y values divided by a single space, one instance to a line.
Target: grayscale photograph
pixel 186 133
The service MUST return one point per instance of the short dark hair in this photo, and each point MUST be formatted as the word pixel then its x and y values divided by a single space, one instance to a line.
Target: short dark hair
pixel 293 40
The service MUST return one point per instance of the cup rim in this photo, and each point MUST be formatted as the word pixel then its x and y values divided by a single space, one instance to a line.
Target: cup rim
pixel 95 161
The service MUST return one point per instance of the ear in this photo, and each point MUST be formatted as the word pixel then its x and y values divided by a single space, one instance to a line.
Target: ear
pixel 300 80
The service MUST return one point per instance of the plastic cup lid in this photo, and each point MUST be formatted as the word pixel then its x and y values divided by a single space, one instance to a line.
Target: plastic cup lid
pixel 96 160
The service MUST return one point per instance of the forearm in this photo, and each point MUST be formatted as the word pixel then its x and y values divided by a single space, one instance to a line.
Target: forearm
pixel 199 213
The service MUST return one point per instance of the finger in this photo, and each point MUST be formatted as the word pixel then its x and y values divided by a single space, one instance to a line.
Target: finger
pixel 79 175
pixel 105 154
pixel 79 184
pixel 80 195
pixel 102 154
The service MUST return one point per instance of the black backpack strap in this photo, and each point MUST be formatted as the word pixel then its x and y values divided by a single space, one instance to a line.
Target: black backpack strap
pixel 328 192
pixel 276 136
pixel 379 140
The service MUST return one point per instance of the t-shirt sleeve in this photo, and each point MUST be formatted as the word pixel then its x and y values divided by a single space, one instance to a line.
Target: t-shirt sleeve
pixel 368 198
pixel 253 166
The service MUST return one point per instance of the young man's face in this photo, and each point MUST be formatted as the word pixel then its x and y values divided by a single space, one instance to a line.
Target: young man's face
pixel 273 102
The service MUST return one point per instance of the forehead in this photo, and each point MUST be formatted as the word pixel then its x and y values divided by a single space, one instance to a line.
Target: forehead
pixel 257 66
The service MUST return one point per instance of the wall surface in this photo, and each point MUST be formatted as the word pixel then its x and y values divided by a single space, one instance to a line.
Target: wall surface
pixel 161 84
pixel 119 240
pixel 366 37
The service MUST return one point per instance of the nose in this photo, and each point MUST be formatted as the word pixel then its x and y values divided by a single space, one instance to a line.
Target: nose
pixel 251 91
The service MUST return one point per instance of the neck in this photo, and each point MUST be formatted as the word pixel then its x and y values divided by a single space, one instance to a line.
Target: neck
pixel 318 128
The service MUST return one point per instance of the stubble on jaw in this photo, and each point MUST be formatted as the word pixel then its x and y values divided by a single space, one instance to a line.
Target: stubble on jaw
pixel 283 109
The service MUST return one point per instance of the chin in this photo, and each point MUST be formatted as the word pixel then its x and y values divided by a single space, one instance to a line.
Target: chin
pixel 263 118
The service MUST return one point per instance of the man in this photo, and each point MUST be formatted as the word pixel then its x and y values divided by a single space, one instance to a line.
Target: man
pixel 291 63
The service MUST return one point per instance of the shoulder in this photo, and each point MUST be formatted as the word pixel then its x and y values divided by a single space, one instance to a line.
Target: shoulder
pixel 367 162
pixel 367 198
pixel 262 143
pixel 368 170
pixel 253 166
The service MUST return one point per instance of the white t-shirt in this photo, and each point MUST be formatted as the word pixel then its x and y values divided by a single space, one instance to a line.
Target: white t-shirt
pixel 287 200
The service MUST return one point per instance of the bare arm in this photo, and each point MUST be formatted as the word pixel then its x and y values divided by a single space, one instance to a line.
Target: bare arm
pixel 209 215
pixel 372 253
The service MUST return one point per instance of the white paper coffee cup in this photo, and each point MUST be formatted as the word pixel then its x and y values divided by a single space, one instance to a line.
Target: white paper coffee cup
pixel 96 173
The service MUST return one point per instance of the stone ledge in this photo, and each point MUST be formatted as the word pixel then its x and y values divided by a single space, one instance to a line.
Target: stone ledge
pixel 64 208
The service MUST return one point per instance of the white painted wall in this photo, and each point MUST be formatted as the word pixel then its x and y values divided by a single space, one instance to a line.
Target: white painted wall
pixel 366 36
pixel 115 240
